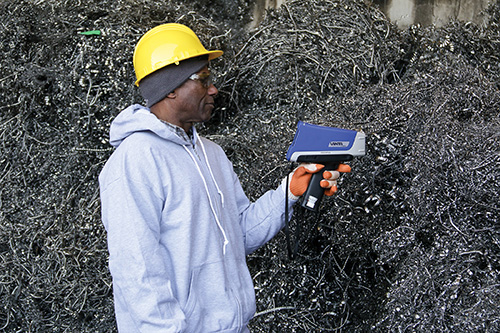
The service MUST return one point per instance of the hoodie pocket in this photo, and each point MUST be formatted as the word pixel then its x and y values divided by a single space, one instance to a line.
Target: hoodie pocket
pixel 221 297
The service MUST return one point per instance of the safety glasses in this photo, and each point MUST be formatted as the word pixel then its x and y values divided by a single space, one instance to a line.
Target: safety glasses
pixel 205 78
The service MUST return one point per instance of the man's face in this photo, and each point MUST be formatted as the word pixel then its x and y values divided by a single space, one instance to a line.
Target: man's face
pixel 195 101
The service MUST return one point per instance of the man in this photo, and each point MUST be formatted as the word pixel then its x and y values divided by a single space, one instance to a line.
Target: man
pixel 178 223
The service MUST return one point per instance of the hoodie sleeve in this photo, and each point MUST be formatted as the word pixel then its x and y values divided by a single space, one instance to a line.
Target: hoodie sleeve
pixel 142 287
pixel 264 218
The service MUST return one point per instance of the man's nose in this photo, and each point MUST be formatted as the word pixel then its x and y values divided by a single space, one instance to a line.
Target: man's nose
pixel 212 90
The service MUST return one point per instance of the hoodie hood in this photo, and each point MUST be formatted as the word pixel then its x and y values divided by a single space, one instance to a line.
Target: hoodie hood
pixel 138 118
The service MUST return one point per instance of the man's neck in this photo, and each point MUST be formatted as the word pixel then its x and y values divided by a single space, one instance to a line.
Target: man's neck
pixel 160 111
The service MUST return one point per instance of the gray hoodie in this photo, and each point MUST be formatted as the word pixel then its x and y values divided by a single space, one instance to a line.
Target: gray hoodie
pixel 179 227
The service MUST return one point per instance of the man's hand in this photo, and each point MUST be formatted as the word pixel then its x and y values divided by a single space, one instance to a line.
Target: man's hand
pixel 329 183
pixel 300 177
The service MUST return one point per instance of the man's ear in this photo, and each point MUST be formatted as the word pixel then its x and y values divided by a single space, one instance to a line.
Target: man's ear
pixel 172 95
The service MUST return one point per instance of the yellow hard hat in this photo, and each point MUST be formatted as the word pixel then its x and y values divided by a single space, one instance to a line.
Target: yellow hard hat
pixel 167 44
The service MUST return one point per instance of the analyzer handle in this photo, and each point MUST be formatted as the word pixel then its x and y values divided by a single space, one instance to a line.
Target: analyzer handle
pixel 311 199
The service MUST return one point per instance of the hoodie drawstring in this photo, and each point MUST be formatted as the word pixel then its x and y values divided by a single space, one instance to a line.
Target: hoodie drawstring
pixel 226 241
pixel 211 172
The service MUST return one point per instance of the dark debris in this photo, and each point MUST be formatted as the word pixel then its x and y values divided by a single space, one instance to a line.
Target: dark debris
pixel 410 243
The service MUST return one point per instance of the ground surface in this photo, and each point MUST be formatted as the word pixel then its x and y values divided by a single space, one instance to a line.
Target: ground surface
pixel 410 243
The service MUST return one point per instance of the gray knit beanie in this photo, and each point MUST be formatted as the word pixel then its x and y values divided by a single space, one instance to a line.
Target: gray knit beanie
pixel 157 85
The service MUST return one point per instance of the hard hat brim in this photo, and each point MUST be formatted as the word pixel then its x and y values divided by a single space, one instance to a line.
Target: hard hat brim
pixel 211 55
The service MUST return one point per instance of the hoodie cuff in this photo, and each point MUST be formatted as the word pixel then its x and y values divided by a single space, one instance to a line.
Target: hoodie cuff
pixel 290 196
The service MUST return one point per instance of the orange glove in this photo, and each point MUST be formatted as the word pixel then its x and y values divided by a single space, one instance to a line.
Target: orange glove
pixel 299 178
pixel 330 181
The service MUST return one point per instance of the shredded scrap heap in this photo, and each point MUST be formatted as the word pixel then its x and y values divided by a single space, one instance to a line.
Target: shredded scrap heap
pixel 410 243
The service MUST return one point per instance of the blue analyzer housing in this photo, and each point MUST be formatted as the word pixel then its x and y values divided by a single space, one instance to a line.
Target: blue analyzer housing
pixel 329 146
pixel 321 144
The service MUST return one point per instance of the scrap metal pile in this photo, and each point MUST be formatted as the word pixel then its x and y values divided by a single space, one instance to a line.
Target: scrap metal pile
pixel 411 242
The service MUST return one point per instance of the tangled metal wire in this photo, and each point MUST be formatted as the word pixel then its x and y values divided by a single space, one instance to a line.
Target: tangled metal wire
pixel 412 239
pixel 410 242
